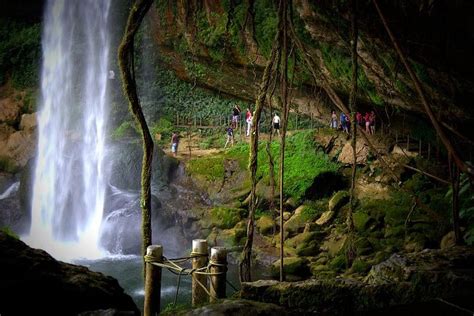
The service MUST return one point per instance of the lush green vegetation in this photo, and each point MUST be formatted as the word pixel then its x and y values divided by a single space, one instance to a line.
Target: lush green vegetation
pixel 303 162
pixel 20 53
pixel 466 212
pixel 9 232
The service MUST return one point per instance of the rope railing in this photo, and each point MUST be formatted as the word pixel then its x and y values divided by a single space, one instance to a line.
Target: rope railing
pixel 205 269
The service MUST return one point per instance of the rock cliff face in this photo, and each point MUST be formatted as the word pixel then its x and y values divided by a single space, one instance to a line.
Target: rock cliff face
pixel 34 283
pixel 223 46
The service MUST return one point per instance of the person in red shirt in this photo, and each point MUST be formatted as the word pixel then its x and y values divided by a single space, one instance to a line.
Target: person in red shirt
pixel 367 122
pixel 360 119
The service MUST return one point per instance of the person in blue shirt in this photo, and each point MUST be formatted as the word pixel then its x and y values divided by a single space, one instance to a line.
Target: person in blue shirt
pixel 230 136
pixel 344 122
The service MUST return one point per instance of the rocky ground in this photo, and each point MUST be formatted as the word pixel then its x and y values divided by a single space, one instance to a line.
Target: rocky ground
pixel 403 247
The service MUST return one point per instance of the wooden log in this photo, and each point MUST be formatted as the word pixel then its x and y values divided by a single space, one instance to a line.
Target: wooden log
pixel 153 281
pixel 218 264
pixel 198 294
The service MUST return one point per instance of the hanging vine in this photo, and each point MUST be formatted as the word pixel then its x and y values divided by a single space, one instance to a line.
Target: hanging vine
pixel 350 251
pixel 245 264
pixel 284 126
pixel 125 58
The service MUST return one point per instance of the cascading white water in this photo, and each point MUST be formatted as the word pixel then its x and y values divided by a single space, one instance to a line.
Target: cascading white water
pixel 70 176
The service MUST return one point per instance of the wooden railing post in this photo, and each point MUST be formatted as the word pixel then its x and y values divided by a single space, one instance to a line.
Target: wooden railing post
pixel 199 295
pixel 153 281
pixel 218 264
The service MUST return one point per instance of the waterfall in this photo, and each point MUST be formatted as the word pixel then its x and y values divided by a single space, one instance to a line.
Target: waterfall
pixel 71 175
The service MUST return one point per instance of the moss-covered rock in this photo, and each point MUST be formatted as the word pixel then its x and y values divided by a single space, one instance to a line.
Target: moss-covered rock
pixel 360 266
pixel 306 243
pixel 231 307
pixel 302 215
pixel 299 239
pixel 338 200
pixel 394 231
pixel 292 266
pixel 310 248
pixel 233 236
pixel 223 217
pixel 325 218
pixel 338 263
pixel 334 243
pixel 265 225
pixel 361 220
pixel 363 246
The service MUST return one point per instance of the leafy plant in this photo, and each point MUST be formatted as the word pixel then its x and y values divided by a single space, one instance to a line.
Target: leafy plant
pixel 125 129
pixel 466 207
pixel 20 51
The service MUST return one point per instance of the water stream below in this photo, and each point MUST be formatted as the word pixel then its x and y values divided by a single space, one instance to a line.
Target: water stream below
pixel 128 271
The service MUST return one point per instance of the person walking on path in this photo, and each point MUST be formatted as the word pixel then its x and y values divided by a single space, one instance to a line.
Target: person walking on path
pixel 360 119
pixel 367 122
pixel 276 124
pixel 333 119
pixel 235 116
pixel 248 120
pixel 174 143
pixel 344 122
pixel 372 122
pixel 230 136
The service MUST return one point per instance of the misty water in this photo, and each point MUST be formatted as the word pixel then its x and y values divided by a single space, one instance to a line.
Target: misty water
pixel 70 176
pixel 85 204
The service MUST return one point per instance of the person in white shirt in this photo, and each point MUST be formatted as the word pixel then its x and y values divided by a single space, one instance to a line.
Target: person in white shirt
pixel 276 124
pixel 248 119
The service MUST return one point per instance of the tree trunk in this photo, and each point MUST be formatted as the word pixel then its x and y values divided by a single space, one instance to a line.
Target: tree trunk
pixel 125 55
pixel 284 125
pixel 245 264
pixel 350 253
pixel 455 178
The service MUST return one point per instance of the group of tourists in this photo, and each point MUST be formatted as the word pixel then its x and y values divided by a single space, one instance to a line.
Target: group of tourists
pixel 249 121
pixel 343 122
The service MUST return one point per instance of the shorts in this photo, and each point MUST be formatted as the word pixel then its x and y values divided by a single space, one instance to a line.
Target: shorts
pixel 174 148
pixel 276 125
pixel 235 118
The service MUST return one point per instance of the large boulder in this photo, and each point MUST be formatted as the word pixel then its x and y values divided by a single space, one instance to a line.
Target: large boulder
pixel 33 282
pixel 412 284
pixel 346 155
pixel 265 225
pixel 11 110
pixel 18 149
pixel 431 266
pixel 28 122
pixel 297 222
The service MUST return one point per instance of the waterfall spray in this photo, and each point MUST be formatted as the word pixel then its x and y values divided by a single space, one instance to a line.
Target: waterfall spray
pixel 70 176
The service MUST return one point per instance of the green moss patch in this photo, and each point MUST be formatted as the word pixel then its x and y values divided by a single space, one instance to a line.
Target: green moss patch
pixel 225 217
pixel 211 168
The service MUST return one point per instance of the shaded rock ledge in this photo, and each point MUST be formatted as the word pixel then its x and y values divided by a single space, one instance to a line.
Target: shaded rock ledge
pixel 33 282
pixel 411 280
